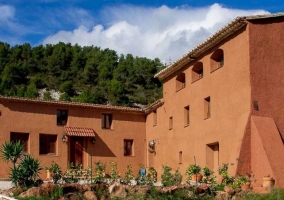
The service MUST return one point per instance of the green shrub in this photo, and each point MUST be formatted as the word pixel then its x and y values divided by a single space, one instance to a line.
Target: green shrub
pixel 56 171
pixel 114 175
pixel 128 174
pixel 169 179
pixel 100 172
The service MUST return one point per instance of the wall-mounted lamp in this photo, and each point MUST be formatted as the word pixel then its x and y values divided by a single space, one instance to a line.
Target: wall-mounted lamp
pixel 64 138
pixel 152 144
pixel 93 140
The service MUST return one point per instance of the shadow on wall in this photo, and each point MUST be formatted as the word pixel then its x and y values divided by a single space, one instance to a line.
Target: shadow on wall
pixel 101 149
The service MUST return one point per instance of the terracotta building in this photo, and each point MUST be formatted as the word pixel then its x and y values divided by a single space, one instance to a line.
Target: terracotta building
pixel 67 132
pixel 222 103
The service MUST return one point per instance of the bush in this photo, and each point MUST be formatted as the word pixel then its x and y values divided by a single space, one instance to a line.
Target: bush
pixel 169 179
pixel 56 172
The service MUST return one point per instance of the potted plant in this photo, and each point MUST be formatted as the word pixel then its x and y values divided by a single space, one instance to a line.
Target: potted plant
pixel 208 176
pixel 244 182
pixel 193 173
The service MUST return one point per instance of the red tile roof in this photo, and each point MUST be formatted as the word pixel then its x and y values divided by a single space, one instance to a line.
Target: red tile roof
pixel 79 131
pixel 73 104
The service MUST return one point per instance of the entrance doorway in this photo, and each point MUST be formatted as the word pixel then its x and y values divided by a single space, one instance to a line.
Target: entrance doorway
pixel 76 150
pixel 212 156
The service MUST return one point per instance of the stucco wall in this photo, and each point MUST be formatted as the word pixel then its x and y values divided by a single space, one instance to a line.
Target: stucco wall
pixel 229 91
pixel 267 72
pixel 39 118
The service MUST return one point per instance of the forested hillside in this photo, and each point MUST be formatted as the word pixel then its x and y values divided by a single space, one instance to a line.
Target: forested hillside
pixel 83 74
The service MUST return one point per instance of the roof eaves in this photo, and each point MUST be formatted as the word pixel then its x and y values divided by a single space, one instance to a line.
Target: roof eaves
pixel 153 106
pixel 73 104
pixel 220 35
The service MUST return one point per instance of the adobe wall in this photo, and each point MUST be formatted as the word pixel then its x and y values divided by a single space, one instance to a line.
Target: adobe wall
pixel 229 91
pixel 39 118
pixel 267 72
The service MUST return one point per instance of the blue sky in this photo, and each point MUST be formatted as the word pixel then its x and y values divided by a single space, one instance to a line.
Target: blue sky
pixel 164 29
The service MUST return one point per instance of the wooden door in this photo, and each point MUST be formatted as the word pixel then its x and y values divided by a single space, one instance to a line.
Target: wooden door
pixel 76 150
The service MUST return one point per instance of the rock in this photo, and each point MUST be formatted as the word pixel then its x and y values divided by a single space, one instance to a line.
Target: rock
pixel 46 189
pixel 90 195
pixel 229 190
pixel 73 196
pixel 142 190
pixel 86 187
pixel 222 195
pixel 34 191
pixel 72 187
pixel 117 190
pixel 202 188
pixel 112 187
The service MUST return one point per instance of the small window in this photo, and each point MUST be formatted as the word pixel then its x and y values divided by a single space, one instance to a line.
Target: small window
pixel 62 116
pixel 197 71
pixel 23 137
pixel 0 113
pixel 180 81
pixel 180 157
pixel 170 123
pixel 128 148
pixel 47 144
pixel 186 116
pixel 207 108
pixel 154 117
pixel 217 59
pixel 106 121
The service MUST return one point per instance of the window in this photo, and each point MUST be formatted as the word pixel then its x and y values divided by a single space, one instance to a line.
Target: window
pixel 0 113
pixel 186 116
pixel 106 121
pixel 155 118
pixel 62 116
pixel 23 137
pixel 47 144
pixel 207 108
pixel 217 60
pixel 180 81
pixel 128 148
pixel 197 71
pixel 180 157
pixel 170 123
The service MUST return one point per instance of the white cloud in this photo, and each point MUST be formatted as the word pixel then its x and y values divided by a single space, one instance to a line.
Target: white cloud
pixel 161 32
pixel 6 13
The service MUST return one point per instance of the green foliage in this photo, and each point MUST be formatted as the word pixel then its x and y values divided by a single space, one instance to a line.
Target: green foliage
pixel 109 78
pixel 31 91
pixel 240 181
pixel 152 175
pixel 26 172
pixel 73 173
pixel 169 179
pixel 114 175
pixel 100 170
pixel 223 171
pixel 12 151
pixel 192 170
pixel 67 87
pixel 56 172
pixel 57 193
pixel 129 174
pixel 47 96
pixel 275 194
pixel 64 97
pixel 208 175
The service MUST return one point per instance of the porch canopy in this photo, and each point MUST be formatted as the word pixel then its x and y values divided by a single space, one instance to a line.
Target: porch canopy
pixel 79 131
